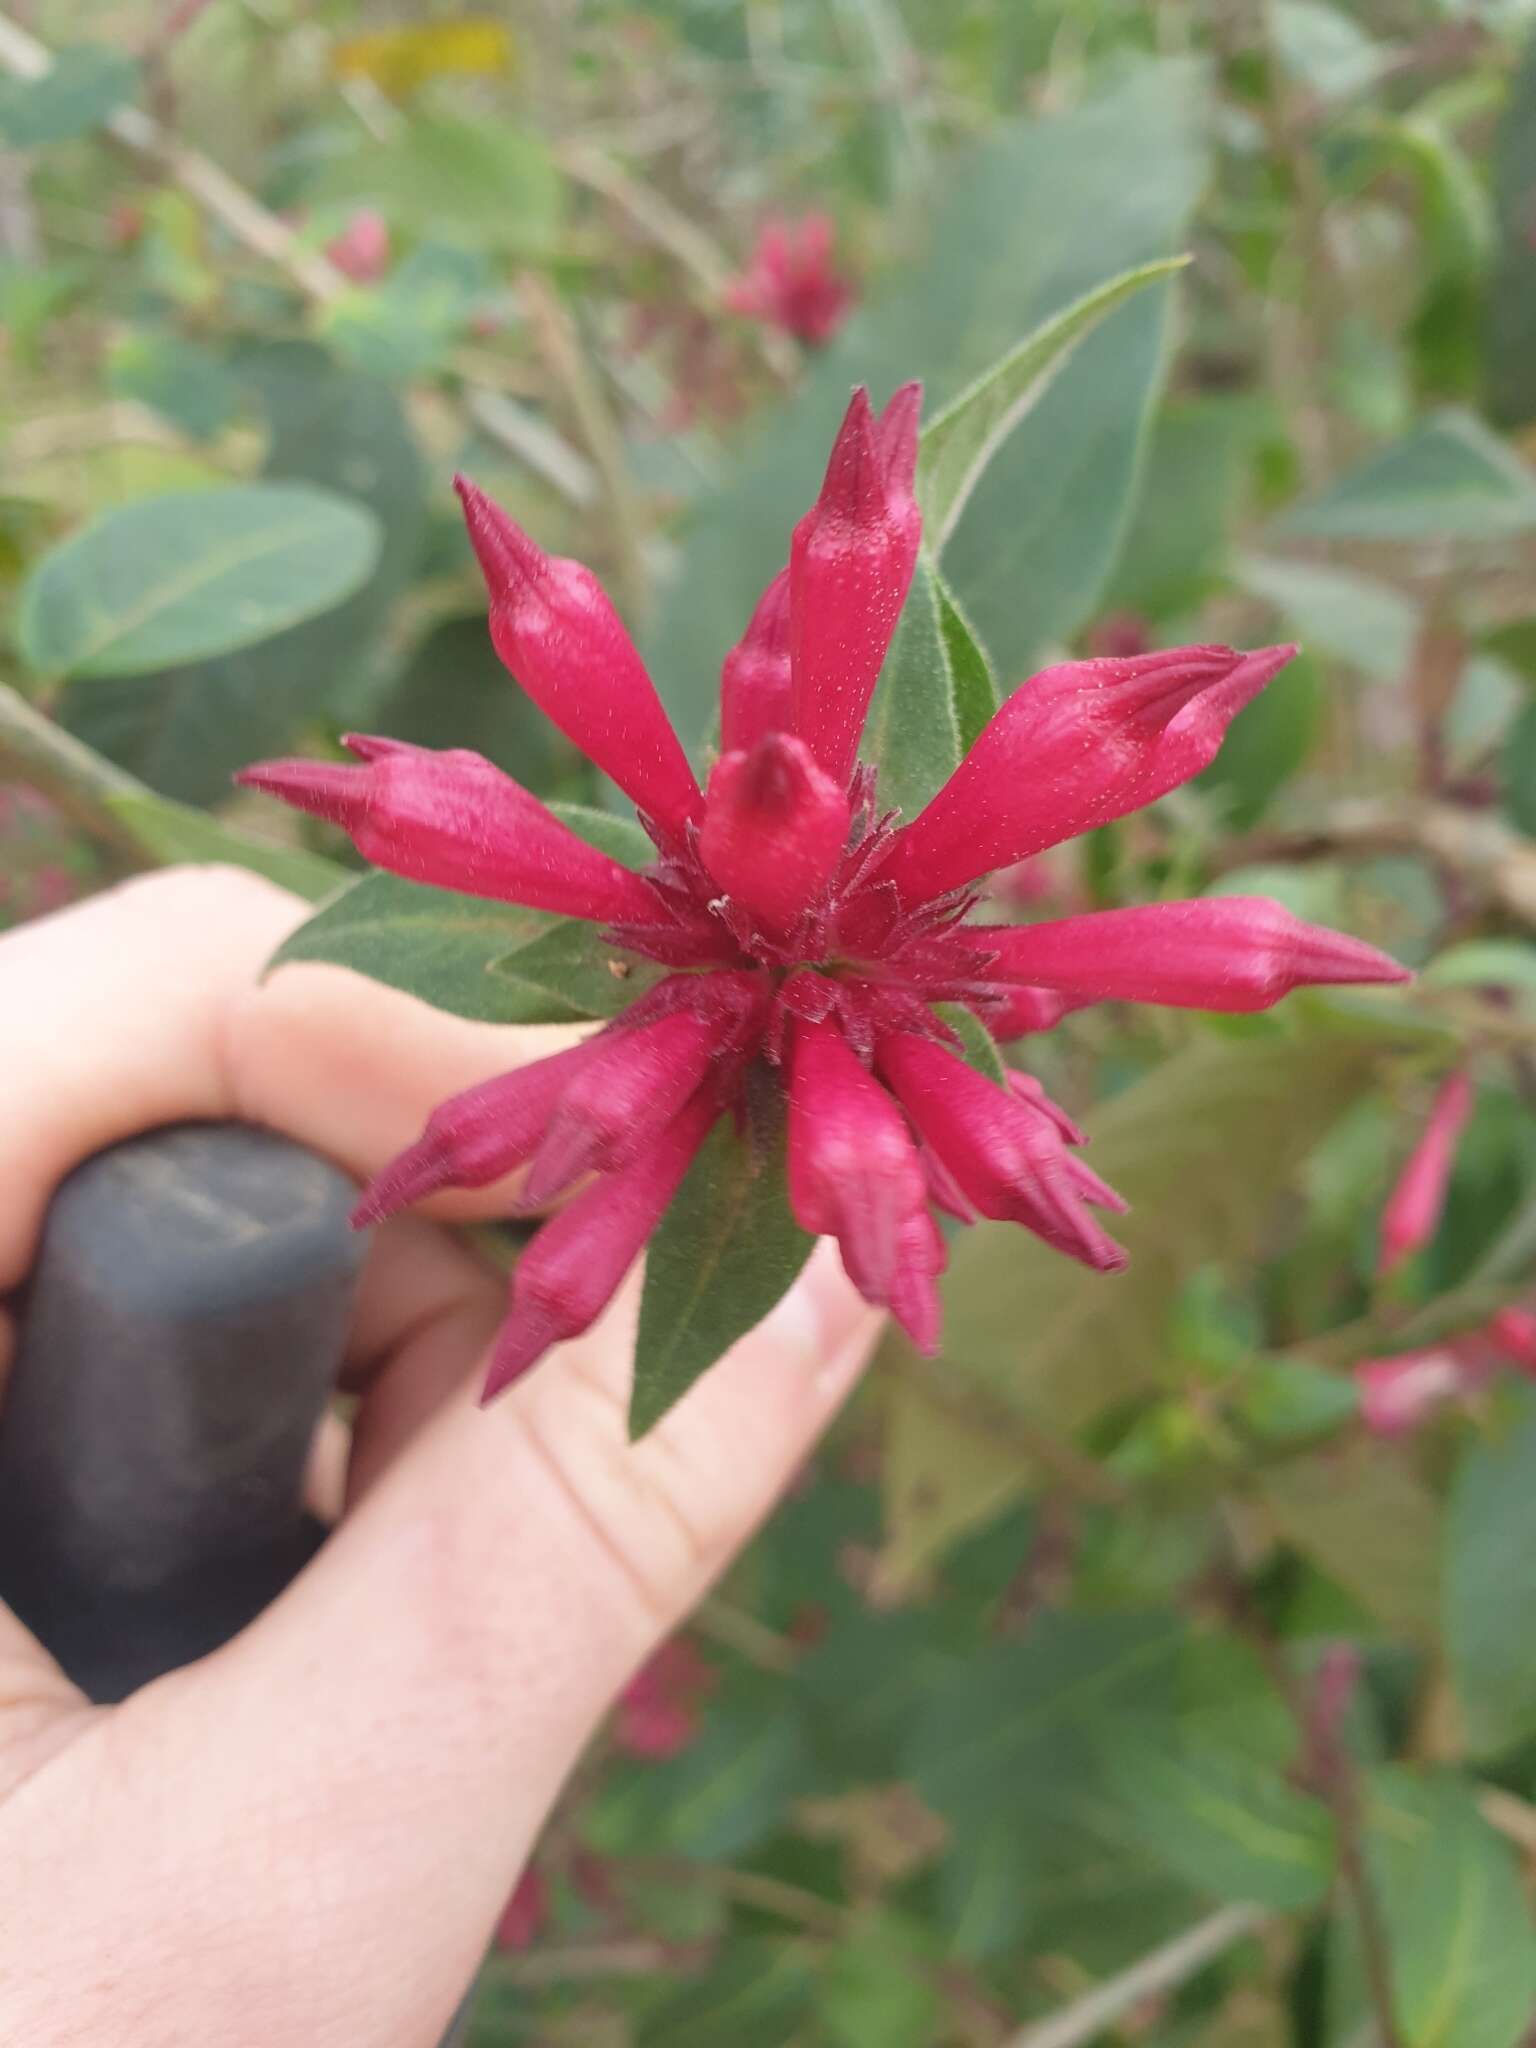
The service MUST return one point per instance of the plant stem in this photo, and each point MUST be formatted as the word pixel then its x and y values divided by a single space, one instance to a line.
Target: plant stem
pixel 77 781
pixel 1163 1970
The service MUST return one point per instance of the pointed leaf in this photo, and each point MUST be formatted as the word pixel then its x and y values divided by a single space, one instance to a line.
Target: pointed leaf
pixel 192 574
pixel 430 943
pixel 958 445
pixel 1450 479
pixel 171 833
pixel 973 686
pixel 577 972
pixel 913 732
pixel 728 1249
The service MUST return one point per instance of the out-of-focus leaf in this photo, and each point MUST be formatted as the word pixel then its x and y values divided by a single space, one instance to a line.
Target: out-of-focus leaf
pixel 1455 1920
pixel 1267 743
pixel 873 1988
pixel 184 383
pixel 722 1795
pixel 1366 1521
pixel 727 1250
pixel 192 575
pixel 1511 330
pixel 405 326
pixel 1062 1344
pixel 431 943
pixel 1490 1586
pixel 85 84
pixel 1450 479
pixel 1324 50
pixel 186 730
pixel 1045 213
pixel 1176 545
pixel 1484 963
pixel 942 1472
pixel 1334 611
pixel 1517 771
pixel 172 833
pixel 756 1996
pixel 1224 1821
pixel 455 692
pixel 960 442
pixel 493 182
pixel 399 61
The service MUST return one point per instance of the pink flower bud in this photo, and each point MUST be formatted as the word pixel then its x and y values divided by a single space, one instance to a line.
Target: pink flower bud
pixel 361 250
pixel 1077 746
pixel 774 829
pixel 1412 1214
pixel 1397 1394
pixel 554 628
pixel 850 566
pixel 854 1172
pixel 477 1137
pixel 453 820
pixel 572 1269
pixel 1008 1157
pixel 636 1080
pixel 1219 953
pixel 755 689
pixel 1512 1333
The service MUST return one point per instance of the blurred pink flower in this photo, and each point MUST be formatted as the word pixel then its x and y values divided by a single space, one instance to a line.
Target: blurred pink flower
pixel 524 1913
pixel 1414 1207
pixel 361 250
pixel 791 281
pixel 659 1711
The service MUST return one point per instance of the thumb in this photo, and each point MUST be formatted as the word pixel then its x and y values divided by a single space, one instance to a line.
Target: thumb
pixel 392 1733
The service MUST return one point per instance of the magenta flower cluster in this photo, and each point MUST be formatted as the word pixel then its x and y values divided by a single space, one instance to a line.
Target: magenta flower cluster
pixel 807 934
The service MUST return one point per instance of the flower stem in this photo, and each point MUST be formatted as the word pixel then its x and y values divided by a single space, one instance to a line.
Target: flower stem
pixel 77 781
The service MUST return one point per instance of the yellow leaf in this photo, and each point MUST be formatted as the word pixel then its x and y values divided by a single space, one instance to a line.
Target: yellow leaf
pixel 399 61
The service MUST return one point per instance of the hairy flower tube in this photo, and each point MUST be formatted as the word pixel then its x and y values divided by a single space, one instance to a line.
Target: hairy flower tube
pixel 811 942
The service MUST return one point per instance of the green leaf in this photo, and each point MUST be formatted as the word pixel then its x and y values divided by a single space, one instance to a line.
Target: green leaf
pixel 1484 963
pixel 431 943
pixel 622 839
pixel 184 383
pixel 1369 1524
pixel 173 833
pixel 1227 1822
pixel 961 441
pixel 913 732
pixel 580 975
pixel 1451 479
pixel 1267 743
pixel 1042 214
pixel 728 1249
pixel 874 1989
pixel 1490 1586
pixel 495 183
pixel 1517 771
pixel 973 686
pixel 186 730
pixel 1511 326
pixel 722 1795
pixel 1322 48
pixel 1334 611
pixel 755 1997
pixel 978 1048
pixel 84 85
pixel 190 575
pixel 405 326
pixel 1188 506
pixel 1456 1925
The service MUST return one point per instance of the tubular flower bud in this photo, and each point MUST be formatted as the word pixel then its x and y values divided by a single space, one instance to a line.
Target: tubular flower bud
pixel 755 691
pixel 572 1269
pixel 455 821
pixel 1218 953
pixel 774 830
pixel 553 626
pixel 1412 1214
pixel 850 566
pixel 1077 746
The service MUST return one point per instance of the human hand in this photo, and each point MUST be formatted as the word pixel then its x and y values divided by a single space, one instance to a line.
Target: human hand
pixel 306 1838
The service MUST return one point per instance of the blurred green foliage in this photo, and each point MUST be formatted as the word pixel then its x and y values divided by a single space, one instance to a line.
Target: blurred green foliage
pixel 1116 1617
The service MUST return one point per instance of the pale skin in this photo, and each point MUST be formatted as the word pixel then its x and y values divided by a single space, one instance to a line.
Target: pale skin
pixel 304 1840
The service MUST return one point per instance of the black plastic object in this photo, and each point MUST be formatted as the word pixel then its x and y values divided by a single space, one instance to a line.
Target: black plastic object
pixel 179 1337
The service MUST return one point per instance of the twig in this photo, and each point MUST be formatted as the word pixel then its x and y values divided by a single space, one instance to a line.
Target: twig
pixel 1495 862
pixel 734 1629
pixel 589 1959
pixel 1164 1969
pixel 252 225
pixel 76 781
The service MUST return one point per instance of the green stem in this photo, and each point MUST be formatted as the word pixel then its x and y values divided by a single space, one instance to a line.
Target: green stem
pixel 76 780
